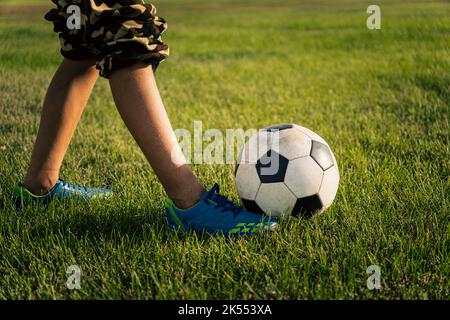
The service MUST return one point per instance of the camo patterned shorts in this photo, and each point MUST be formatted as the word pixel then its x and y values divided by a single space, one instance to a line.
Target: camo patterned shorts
pixel 117 33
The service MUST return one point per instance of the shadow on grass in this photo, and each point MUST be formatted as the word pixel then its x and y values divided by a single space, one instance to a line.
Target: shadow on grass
pixel 94 224
pixel 134 225
pixel 88 222
pixel 436 84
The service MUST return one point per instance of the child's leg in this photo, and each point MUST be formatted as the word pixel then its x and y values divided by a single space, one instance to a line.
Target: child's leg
pixel 139 103
pixel 66 97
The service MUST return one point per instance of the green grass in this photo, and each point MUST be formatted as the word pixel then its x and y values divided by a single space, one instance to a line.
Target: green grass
pixel 380 98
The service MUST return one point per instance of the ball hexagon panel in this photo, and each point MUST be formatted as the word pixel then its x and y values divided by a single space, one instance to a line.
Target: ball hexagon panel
pixel 257 146
pixel 291 144
pixel 329 187
pixel 307 206
pixel 279 127
pixel 272 167
pixel 247 181
pixel 250 205
pixel 304 177
pixel 311 134
pixel 334 160
pixel 321 153
pixel 275 199
pixel 316 137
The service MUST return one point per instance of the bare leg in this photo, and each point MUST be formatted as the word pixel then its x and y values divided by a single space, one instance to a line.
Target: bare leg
pixel 139 103
pixel 66 98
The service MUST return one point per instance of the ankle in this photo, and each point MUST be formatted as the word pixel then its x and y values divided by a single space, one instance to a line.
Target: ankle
pixel 186 200
pixel 39 185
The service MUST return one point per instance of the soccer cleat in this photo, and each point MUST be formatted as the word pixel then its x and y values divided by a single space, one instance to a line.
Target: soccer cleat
pixel 215 214
pixel 62 190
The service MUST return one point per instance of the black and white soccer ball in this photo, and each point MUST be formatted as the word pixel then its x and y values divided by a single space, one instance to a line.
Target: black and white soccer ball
pixel 287 170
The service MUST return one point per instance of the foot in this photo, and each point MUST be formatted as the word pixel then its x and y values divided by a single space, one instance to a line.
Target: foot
pixel 62 190
pixel 215 214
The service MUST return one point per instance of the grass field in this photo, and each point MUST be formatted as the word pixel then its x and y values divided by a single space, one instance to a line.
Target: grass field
pixel 380 98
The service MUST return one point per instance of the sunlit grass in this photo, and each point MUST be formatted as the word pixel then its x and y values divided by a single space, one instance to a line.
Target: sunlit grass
pixel 380 98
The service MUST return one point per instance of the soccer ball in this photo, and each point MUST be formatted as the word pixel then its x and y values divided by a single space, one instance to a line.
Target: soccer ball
pixel 287 170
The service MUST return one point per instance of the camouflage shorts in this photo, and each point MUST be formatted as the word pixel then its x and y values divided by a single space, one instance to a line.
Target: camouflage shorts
pixel 117 33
